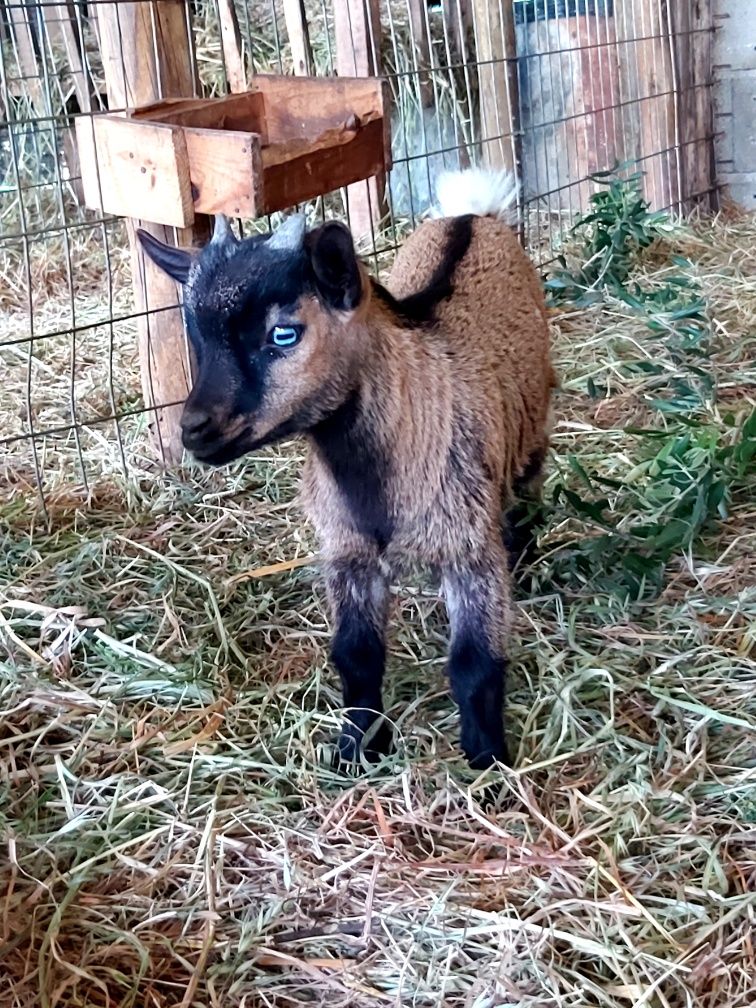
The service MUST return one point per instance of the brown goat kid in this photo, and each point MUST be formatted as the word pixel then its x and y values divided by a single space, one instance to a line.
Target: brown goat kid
pixel 425 405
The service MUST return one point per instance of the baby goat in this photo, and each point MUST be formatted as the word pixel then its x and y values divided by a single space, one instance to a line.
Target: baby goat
pixel 425 406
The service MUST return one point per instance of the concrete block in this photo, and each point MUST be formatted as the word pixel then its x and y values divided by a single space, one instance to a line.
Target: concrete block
pixel 744 122
pixel 735 40
pixel 722 94
pixel 723 142
pixel 741 189
pixel 735 98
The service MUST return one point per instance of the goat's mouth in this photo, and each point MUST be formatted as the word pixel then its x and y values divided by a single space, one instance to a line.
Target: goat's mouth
pixel 219 452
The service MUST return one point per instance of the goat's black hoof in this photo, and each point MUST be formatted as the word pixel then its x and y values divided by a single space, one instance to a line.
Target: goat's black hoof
pixel 485 758
pixel 351 745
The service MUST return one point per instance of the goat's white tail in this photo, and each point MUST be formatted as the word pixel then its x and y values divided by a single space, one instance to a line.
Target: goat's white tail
pixel 481 191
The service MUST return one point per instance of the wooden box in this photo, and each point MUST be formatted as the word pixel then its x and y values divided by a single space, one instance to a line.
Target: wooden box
pixel 286 140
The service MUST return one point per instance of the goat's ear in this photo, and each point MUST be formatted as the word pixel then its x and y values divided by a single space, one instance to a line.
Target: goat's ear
pixel 176 262
pixel 334 263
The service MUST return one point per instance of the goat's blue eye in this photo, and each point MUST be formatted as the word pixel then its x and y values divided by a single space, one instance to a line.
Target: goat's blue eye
pixel 284 336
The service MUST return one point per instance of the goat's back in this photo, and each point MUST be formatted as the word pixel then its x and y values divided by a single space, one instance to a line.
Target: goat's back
pixel 493 328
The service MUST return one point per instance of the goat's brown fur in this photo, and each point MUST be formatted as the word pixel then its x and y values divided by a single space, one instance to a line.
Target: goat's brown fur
pixel 426 406
pixel 461 403
pixel 460 409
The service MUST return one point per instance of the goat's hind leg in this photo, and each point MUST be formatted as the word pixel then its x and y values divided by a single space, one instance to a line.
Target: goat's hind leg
pixel 358 593
pixel 478 601
pixel 522 515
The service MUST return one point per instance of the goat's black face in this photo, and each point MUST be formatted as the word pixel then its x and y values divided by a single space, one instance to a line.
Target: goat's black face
pixel 267 319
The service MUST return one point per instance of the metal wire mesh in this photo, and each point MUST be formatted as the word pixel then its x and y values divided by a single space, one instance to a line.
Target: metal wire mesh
pixel 555 90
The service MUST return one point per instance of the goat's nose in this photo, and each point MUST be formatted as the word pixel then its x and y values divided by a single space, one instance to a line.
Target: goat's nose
pixel 195 422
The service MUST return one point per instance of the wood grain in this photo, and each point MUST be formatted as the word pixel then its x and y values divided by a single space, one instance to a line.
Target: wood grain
pixel 658 113
pixel 144 165
pixel 304 171
pixel 494 40
pixel 147 57
pixel 62 30
pixel 357 27
pixel 226 172
pixel 236 73
pixel 299 36
pixel 693 52
pixel 287 141
pixel 20 16
pixel 421 45
pixel 243 112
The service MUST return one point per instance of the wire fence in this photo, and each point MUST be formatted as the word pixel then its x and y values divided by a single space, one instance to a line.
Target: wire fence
pixel 554 90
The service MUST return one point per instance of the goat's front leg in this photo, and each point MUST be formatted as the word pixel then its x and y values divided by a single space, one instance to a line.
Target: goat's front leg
pixel 358 594
pixel 478 601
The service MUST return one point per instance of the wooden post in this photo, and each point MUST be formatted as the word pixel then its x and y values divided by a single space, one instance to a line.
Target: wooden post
pixel 236 73
pixel 659 112
pixel 421 44
pixel 495 46
pixel 357 27
pixel 693 46
pixel 61 29
pixel 146 56
pixel 458 17
pixel 20 16
pixel 299 37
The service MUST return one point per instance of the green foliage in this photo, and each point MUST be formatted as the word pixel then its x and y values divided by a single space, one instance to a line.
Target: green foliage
pixel 618 226
pixel 610 239
pixel 624 532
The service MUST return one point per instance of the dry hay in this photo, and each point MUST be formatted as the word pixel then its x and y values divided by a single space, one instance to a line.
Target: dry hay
pixel 173 832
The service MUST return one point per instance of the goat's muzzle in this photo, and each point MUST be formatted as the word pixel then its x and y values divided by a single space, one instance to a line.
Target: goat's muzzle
pixel 196 425
pixel 211 438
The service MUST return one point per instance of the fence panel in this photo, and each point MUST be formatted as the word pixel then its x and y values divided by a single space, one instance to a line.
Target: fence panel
pixel 553 90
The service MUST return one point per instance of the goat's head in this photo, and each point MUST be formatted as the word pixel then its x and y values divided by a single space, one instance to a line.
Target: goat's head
pixel 271 321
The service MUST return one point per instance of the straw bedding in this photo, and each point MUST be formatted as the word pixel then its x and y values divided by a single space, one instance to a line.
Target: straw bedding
pixel 172 831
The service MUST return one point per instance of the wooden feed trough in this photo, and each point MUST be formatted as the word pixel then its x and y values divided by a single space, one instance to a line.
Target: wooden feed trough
pixel 286 140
